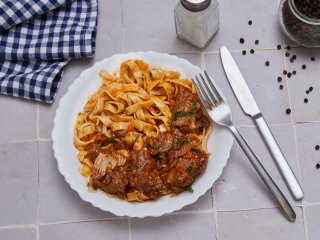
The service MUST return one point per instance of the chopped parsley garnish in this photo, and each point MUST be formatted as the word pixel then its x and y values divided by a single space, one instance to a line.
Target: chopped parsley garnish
pixel 112 139
pixel 178 114
pixel 157 147
pixel 179 141
pixel 190 170
pixel 189 189
pixel 193 108
pixel 157 156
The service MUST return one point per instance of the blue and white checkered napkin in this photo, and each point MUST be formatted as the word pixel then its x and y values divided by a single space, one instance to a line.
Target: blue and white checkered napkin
pixel 38 38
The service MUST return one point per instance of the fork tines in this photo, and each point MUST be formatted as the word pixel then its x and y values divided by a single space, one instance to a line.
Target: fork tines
pixel 207 92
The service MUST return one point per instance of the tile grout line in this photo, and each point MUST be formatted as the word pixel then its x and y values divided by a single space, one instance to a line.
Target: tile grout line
pixel 287 81
pixel 38 121
pixel 38 207
pixel 27 141
pixel 215 212
pixel 37 227
pixel 19 226
pixel 294 125
pixel 305 225
pixel 270 125
pixel 129 228
pixel 296 152
pixel 122 32
pixel 190 212
pixel 19 141
pixel 44 140
pixel 254 209
pixel 169 214
pixel 83 221
pixel 202 61
pixel 310 204
pixel 213 199
pixel 198 212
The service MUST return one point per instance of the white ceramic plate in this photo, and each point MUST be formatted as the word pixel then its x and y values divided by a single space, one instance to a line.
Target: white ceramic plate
pixel 219 144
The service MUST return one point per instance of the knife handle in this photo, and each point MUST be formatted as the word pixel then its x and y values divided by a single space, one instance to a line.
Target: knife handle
pixel 279 158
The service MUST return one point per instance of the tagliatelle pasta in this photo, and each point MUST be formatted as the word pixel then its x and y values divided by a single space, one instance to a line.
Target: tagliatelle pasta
pixel 124 119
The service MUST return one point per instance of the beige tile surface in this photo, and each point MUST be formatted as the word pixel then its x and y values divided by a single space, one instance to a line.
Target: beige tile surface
pixel 260 224
pixel 19 183
pixel 18 233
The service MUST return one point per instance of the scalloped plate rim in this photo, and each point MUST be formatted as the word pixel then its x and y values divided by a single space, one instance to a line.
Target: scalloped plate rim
pixel 100 204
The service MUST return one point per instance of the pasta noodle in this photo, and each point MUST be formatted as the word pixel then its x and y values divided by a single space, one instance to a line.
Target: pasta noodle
pixel 131 107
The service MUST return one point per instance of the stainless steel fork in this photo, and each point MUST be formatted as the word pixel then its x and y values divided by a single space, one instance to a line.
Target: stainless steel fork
pixel 220 113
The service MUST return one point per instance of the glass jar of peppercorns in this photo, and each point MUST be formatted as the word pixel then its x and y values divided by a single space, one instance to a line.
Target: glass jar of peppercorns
pixel 300 20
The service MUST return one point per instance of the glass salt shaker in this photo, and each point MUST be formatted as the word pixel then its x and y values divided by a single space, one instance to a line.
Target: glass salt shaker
pixel 197 21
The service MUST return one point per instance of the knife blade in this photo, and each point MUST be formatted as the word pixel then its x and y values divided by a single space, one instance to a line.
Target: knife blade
pixel 250 107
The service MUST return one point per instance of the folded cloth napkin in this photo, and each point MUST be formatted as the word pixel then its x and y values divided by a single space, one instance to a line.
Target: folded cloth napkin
pixel 38 38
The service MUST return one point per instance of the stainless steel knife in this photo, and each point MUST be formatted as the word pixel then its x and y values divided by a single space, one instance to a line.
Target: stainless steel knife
pixel 250 107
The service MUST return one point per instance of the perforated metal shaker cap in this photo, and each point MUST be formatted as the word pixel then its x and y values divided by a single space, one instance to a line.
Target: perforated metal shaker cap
pixel 195 5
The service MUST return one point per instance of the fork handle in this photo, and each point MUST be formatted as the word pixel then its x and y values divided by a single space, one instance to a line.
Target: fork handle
pixel 279 158
pixel 273 188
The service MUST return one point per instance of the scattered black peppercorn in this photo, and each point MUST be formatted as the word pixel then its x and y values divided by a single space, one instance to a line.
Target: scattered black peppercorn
pixel 287 54
pixel 241 40
pixel 256 42
pixel 304 66
pixel 294 72
pixel 317 165
pixel 307 92
pixel 250 22
pixel 288 47
pixel 279 79
pixel 291 60
pixel 281 87
pixel 252 51
pixel 267 63
pixel 294 56
pixel 312 59
pixel 310 89
pixel 279 47
pixel 289 75
pixel 317 147
pixel 285 72
pixel 305 100
pixel 244 52
pixel 288 111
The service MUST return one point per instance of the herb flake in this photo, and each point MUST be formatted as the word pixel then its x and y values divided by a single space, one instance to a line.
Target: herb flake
pixel 193 109
pixel 179 114
pixel 190 170
pixel 179 141
pixel 189 189
pixel 112 139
